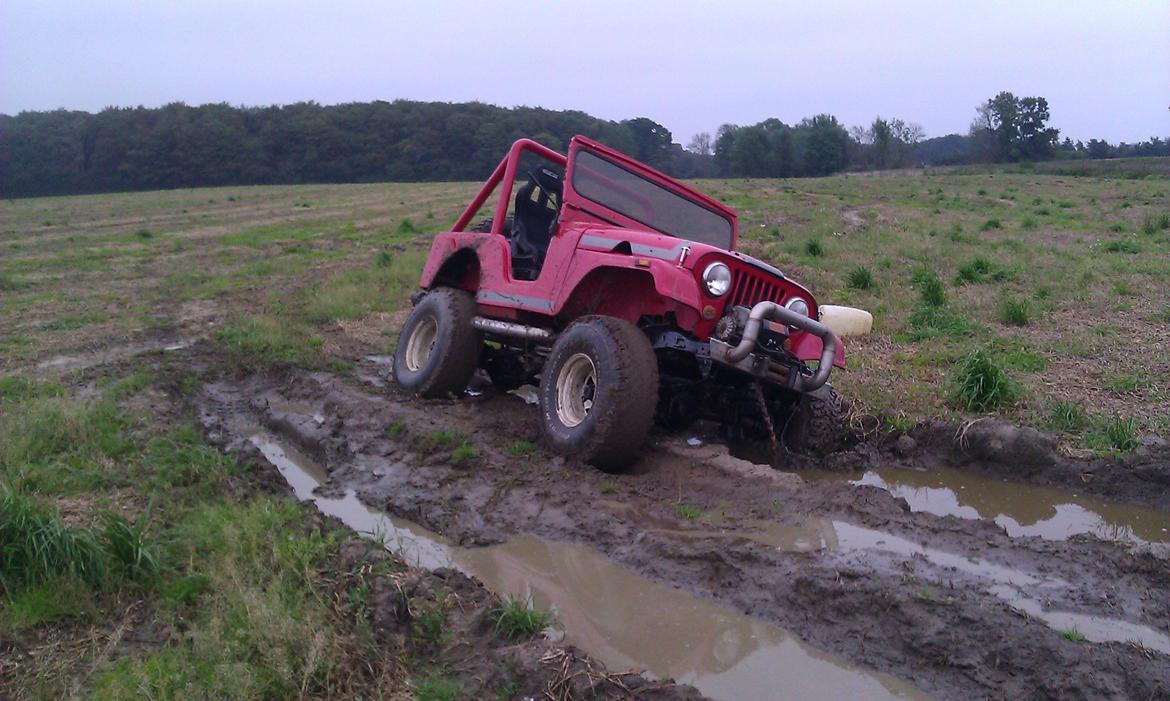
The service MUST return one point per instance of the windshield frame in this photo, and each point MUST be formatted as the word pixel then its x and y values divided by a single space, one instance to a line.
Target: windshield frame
pixel 724 239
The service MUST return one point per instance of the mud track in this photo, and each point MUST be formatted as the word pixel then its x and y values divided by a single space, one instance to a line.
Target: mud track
pixel 955 607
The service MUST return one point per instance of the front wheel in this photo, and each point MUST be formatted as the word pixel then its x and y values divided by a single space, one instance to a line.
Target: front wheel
pixel 817 425
pixel 598 391
pixel 438 347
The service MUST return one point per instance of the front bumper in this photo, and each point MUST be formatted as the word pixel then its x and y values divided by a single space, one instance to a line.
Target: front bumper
pixel 743 356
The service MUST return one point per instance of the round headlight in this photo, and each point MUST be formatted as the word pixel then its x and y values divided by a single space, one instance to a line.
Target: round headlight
pixel 717 278
pixel 798 305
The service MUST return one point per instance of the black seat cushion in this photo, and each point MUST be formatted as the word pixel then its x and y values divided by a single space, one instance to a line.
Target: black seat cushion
pixel 537 207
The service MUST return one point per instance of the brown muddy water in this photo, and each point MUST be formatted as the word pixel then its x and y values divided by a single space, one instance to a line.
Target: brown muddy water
pixel 1021 590
pixel 1022 510
pixel 618 617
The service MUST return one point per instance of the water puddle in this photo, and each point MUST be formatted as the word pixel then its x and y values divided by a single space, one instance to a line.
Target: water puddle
pixel 852 538
pixel 624 620
pixel 1021 509
pixel 529 393
pixel 1012 585
pixel 808 535
pixel 66 363
pixel 287 407
pixel 1094 628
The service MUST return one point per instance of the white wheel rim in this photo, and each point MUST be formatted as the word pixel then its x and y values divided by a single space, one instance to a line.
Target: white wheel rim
pixel 576 387
pixel 421 343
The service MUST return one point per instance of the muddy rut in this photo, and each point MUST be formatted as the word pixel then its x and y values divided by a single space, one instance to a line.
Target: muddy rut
pixel 948 607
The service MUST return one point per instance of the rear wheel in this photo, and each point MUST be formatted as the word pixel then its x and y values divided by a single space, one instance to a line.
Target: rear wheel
pixel 438 347
pixel 598 391
pixel 817 424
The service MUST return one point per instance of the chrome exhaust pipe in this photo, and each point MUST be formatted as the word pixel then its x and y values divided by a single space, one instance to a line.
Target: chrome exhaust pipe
pixel 507 328
pixel 771 310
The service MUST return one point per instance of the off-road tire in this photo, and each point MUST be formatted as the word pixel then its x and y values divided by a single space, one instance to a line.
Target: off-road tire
pixel 625 392
pixel 817 424
pixel 447 313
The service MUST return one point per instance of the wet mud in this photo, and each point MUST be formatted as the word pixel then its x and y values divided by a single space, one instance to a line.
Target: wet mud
pixel 931 602
pixel 1048 512
pixel 999 449
pixel 624 620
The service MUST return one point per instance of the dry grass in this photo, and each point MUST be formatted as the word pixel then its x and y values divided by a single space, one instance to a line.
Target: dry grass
pixel 256 256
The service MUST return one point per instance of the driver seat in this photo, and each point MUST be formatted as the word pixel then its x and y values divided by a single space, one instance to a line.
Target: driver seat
pixel 538 205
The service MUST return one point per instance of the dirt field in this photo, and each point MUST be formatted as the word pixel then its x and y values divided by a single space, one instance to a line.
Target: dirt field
pixel 210 366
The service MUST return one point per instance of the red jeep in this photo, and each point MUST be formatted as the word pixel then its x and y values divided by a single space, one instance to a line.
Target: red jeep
pixel 619 290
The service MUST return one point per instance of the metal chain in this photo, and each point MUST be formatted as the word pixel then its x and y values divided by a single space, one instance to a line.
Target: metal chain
pixel 758 390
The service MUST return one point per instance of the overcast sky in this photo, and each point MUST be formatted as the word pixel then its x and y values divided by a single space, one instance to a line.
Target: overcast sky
pixel 1103 66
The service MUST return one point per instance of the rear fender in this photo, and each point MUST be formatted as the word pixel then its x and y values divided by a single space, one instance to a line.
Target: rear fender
pixel 461 259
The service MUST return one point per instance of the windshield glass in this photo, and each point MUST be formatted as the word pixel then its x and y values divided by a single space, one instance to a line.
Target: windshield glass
pixel 644 201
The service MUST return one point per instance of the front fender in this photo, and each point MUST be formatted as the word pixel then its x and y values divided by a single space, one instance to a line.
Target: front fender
pixel 674 287
pixel 805 346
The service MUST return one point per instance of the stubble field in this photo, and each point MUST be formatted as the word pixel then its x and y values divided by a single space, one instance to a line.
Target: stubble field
pixel 126 320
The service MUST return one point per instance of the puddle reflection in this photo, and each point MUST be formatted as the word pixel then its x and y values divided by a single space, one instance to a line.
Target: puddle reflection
pixel 1021 509
pixel 621 618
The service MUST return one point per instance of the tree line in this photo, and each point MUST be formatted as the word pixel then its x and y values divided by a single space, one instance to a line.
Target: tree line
pixel 117 149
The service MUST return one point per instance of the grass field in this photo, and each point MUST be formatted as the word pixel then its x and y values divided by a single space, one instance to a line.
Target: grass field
pixel 1044 298
pixel 1062 280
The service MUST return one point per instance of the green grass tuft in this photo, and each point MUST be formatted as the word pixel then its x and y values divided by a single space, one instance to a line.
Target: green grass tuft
pixel 990 224
pixel 440 440
pixel 38 548
pixel 438 689
pixel 1154 223
pixel 860 279
pixel 1068 416
pixel 1122 247
pixel 813 247
pixel 516 619
pixel 258 342
pixel 9 283
pixel 1073 634
pixel 688 511
pixel 429 628
pixel 18 388
pixel 521 448
pixel 930 287
pixel 125 543
pixel 938 322
pixel 980 384
pixel 53 445
pixel 1118 432
pixel 463 453
pixel 1015 311
pixel 974 271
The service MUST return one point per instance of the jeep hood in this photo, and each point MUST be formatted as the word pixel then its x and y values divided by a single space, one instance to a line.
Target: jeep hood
pixel 652 244
pixel 648 244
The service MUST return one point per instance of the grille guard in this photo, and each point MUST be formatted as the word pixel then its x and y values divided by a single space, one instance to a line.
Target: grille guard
pixel 740 356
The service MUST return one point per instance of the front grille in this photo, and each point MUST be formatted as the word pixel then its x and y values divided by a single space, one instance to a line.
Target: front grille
pixel 748 288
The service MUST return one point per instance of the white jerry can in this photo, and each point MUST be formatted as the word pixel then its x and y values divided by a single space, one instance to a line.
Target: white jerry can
pixel 846 321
